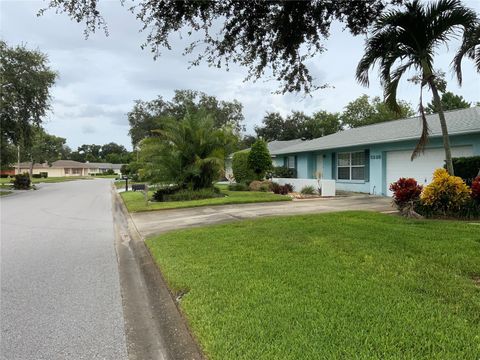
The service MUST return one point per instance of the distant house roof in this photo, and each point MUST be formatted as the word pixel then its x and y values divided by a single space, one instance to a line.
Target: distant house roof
pixel 56 164
pixel 103 165
pixel 459 122
pixel 71 164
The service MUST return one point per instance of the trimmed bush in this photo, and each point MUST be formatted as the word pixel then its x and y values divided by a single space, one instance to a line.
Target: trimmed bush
pixel 44 175
pixel 240 168
pixel 188 195
pixel 307 190
pixel 259 159
pixel 238 187
pixel 284 172
pixel 21 182
pixel 161 193
pixel 260 185
pixel 446 194
pixel 36 176
pixel 467 168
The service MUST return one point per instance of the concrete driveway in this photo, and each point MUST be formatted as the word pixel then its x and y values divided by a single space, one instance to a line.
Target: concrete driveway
pixel 156 222
pixel 60 291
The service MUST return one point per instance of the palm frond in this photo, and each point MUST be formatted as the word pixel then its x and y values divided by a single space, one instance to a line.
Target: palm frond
pixel 470 48
pixel 422 142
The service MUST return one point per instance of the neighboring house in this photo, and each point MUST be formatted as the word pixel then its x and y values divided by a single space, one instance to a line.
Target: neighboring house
pixel 101 168
pixel 272 146
pixel 62 168
pixel 369 158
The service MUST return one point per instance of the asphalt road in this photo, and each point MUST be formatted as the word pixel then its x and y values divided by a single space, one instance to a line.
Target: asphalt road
pixel 60 292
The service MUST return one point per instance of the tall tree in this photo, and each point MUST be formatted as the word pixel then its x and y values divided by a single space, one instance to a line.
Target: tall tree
pixel 25 82
pixel 363 111
pixel 190 152
pixel 322 123
pixel 410 37
pixel 147 116
pixel 449 101
pixel 44 148
pixel 276 37
pixel 272 127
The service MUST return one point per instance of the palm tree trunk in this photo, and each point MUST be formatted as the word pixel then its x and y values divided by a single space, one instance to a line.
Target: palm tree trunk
pixel 443 124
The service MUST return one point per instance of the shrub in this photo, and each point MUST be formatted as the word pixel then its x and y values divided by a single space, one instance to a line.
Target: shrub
pixel 188 195
pixel 238 187
pixel 109 172
pixel 284 172
pixel 406 196
pixel 259 159
pixel 240 168
pixel 476 189
pixel 44 175
pixel 308 190
pixel 446 194
pixel 21 182
pixel 289 187
pixel 264 187
pixel 161 193
pixel 467 168
pixel 36 176
pixel 281 189
pixel 259 185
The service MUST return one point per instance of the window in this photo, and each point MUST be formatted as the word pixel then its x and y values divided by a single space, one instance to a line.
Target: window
pixel 291 162
pixel 351 166
pixel 76 171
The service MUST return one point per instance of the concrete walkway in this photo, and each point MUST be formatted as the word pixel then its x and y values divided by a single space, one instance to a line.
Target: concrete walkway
pixel 156 222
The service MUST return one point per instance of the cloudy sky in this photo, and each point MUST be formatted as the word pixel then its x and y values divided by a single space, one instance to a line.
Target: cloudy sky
pixel 100 77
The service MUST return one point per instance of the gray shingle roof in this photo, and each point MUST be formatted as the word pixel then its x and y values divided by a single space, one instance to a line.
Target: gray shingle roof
pixel 103 165
pixel 463 121
pixel 278 144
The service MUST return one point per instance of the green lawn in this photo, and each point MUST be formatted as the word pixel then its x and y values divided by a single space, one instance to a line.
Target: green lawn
pixel 3 193
pixel 6 181
pixel 352 285
pixel 135 201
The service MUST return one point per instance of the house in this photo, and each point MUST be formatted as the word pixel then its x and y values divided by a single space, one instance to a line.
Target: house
pixel 101 168
pixel 369 158
pixel 272 146
pixel 62 168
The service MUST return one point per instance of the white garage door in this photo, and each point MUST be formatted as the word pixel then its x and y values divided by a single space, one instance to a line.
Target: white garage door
pixel 421 168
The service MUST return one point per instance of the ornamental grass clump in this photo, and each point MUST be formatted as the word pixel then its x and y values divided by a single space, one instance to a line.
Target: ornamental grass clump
pixel 446 194
pixel 406 196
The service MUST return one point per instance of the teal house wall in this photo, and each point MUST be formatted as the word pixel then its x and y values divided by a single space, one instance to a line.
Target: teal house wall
pixel 375 181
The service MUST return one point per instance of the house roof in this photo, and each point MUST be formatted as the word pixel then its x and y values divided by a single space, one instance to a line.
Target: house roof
pixel 464 121
pixel 56 164
pixel 278 144
pixel 71 164
pixel 103 165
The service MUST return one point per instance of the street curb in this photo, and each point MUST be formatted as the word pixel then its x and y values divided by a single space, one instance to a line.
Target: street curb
pixel 154 326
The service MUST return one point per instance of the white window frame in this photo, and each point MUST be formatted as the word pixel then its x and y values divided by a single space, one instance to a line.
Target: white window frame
pixel 350 166
pixel 291 166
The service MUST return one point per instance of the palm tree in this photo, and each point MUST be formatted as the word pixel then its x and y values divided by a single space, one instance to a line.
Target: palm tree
pixel 189 152
pixel 405 39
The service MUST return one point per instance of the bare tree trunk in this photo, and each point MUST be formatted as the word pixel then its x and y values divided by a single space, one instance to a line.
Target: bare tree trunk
pixel 443 124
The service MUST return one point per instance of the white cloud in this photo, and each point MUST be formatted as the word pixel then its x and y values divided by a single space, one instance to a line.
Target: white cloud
pixel 102 76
